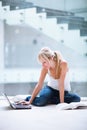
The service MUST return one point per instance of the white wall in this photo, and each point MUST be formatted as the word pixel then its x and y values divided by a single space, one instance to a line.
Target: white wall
pixel 79 7
pixel 75 4
pixel 56 4
pixel 61 4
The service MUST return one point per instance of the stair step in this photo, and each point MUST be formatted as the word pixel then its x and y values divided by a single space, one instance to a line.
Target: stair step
pixel 83 32
pixel 53 12
pixel 68 19
pixel 17 4
pixel 21 6
pixel 82 25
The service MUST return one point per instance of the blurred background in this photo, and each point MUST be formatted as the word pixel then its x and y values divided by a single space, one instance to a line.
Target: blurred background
pixel 28 25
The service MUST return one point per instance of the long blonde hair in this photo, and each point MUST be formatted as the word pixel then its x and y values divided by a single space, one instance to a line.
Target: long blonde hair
pixel 47 54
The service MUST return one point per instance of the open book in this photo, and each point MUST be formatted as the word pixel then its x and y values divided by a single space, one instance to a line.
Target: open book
pixel 72 105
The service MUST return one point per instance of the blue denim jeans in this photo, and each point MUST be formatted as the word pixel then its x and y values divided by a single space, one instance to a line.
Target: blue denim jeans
pixel 49 95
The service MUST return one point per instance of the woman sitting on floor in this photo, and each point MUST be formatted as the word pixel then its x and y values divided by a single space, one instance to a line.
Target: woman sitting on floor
pixel 58 88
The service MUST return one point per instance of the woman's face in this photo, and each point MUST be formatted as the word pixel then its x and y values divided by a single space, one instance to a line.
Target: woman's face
pixel 45 63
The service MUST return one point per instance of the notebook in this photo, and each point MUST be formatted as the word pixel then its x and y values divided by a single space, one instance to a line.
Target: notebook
pixel 15 105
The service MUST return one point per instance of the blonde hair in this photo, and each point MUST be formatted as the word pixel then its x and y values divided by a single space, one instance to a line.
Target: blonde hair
pixel 46 53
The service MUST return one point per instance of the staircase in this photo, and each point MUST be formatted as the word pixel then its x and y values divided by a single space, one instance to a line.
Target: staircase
pixel 60 30
pixel 59 25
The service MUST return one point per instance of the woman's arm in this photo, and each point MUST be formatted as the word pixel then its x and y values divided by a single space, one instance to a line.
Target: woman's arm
pixel 37 87
pixel 64 69
pixel 39 84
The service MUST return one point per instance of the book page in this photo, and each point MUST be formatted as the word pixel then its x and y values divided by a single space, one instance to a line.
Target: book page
pixel 64 106
pixel 73 105
pixel 79 104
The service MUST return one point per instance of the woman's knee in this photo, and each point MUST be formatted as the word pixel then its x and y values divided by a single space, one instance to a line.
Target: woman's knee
pixel 70 97
pixel 77 98
pixel 40 101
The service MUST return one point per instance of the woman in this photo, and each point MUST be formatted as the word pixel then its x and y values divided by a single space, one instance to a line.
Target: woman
pixel 58 86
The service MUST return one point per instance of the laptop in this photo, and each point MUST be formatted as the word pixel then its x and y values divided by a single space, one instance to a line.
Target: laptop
pixel 15 105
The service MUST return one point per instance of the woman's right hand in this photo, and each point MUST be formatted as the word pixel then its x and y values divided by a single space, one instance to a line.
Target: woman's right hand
pixel 23 102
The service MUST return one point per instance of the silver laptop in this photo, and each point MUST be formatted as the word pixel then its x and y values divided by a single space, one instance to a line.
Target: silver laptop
pixel 15 105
